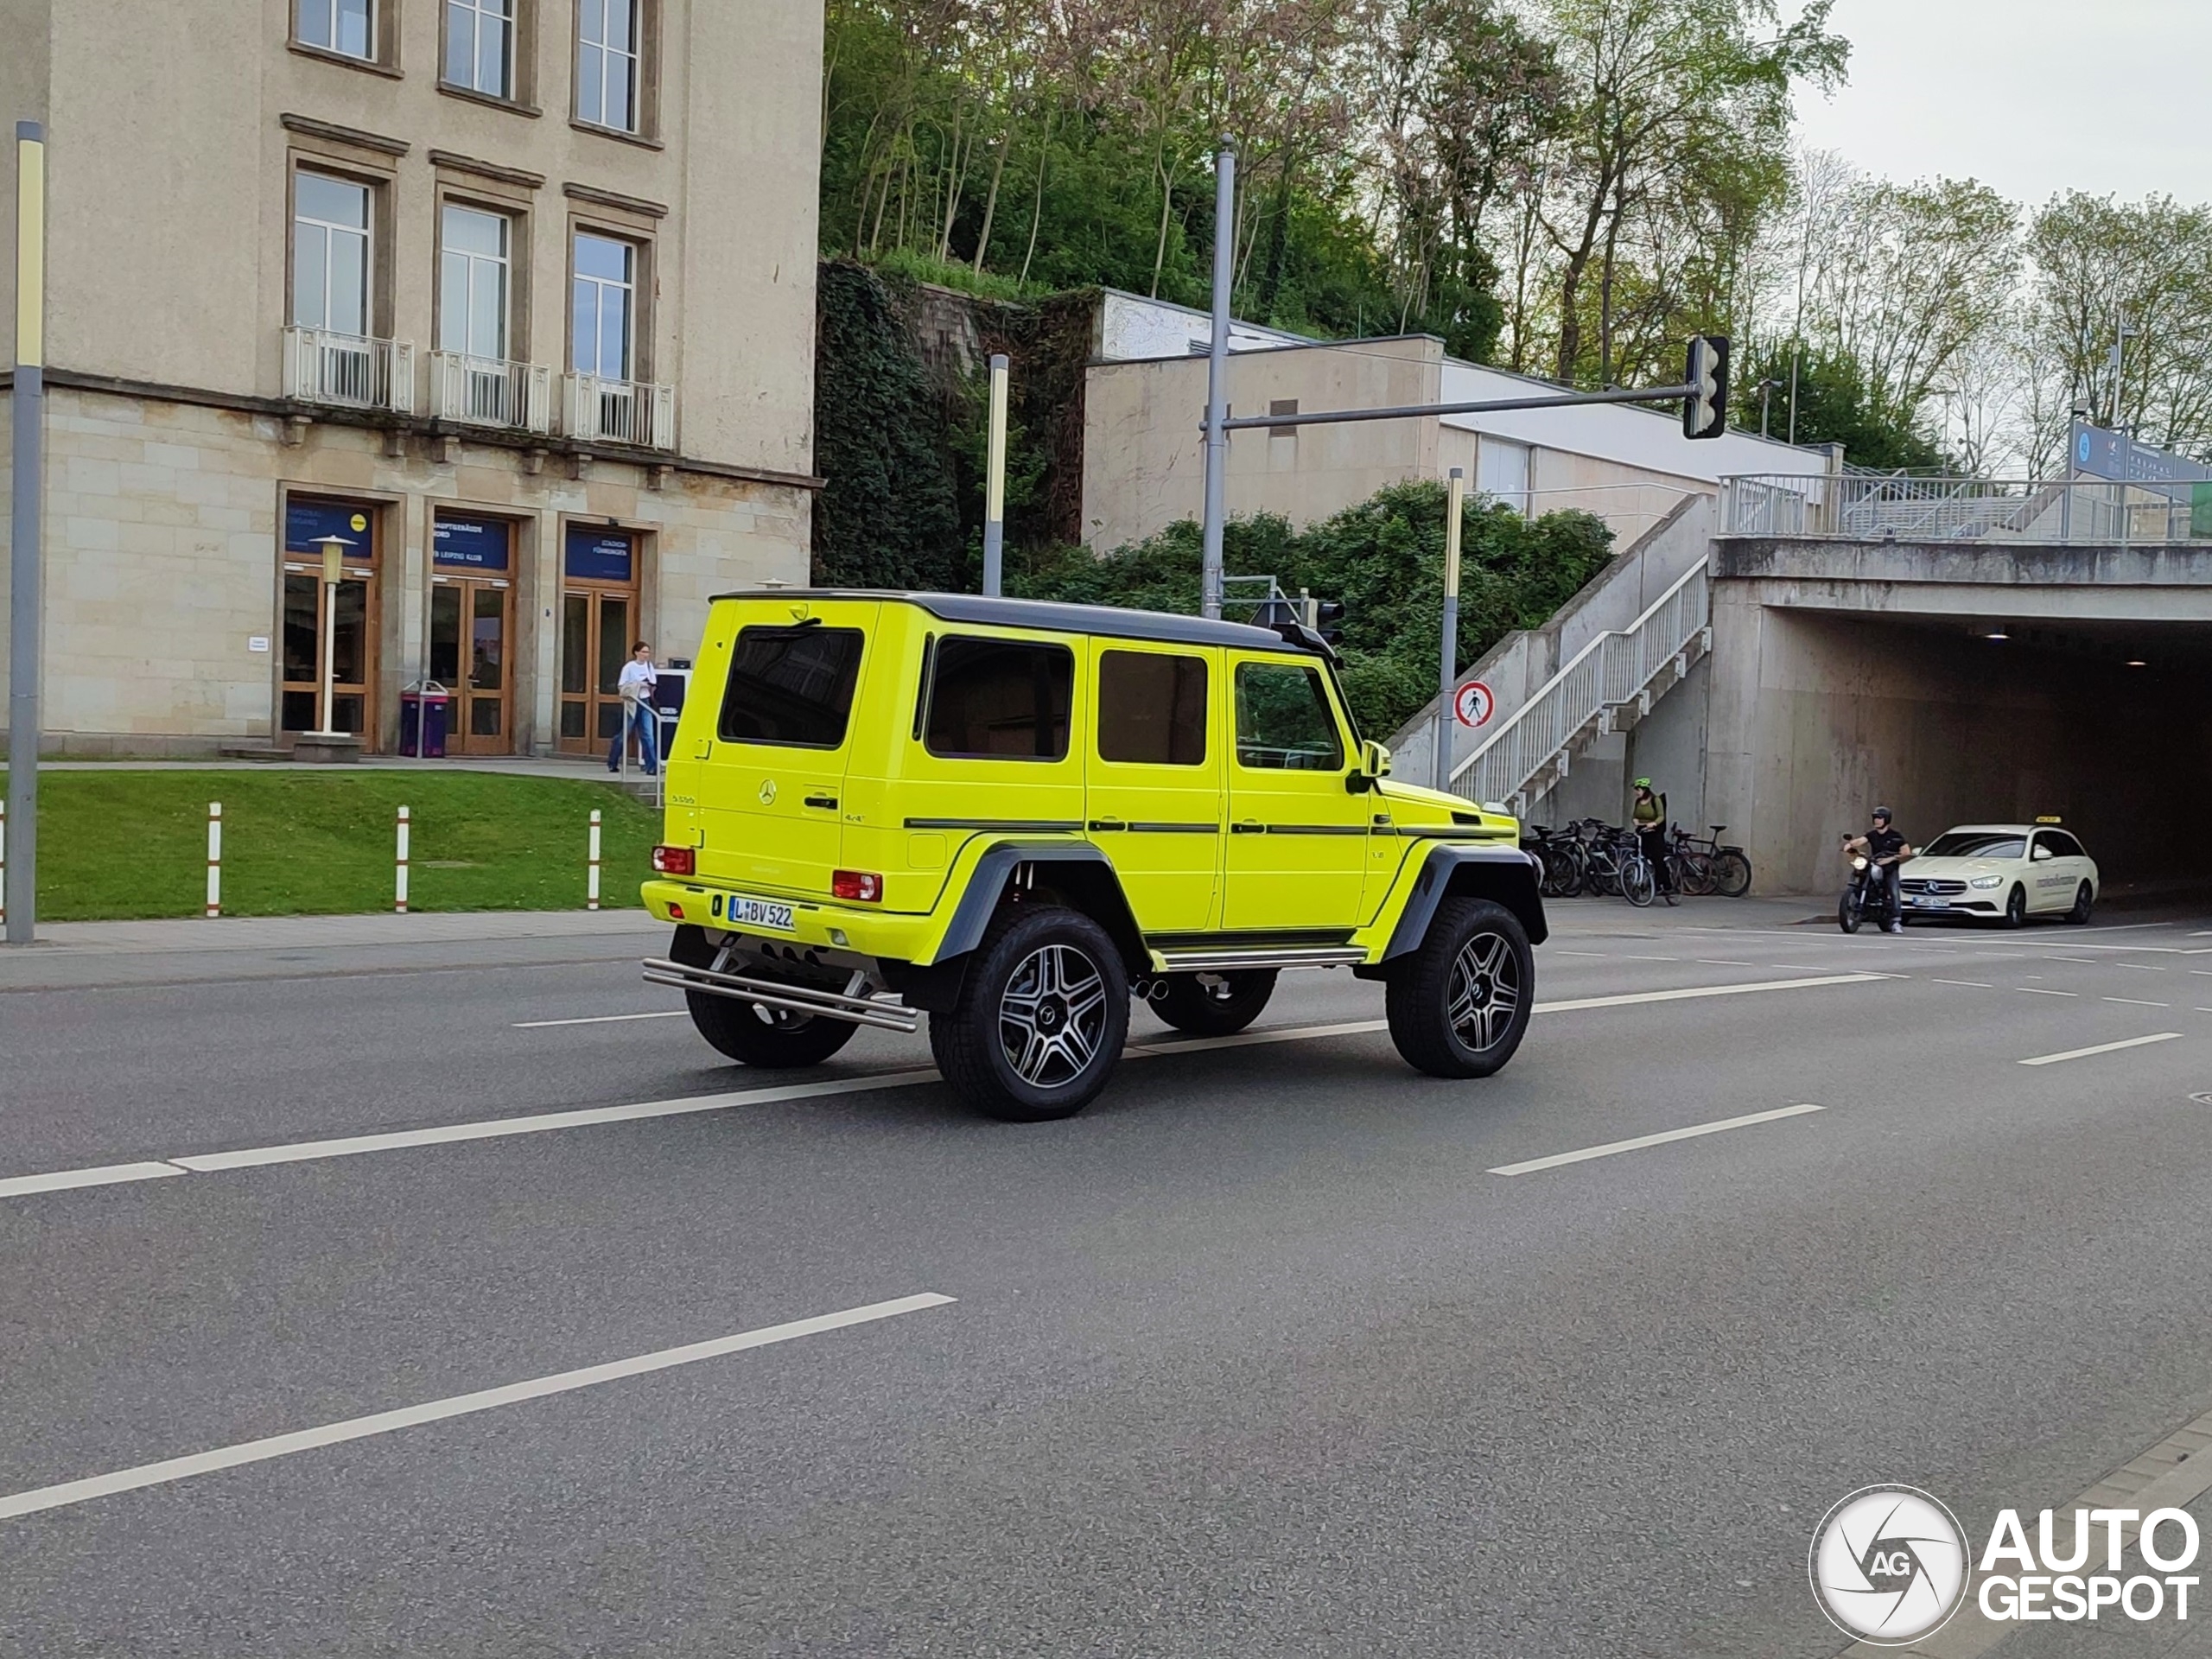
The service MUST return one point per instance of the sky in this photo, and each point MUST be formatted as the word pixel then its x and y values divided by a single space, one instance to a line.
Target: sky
pixel 2032 97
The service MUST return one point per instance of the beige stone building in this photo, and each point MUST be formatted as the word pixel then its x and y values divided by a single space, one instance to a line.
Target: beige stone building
pixel 1144 459
pixel 515 297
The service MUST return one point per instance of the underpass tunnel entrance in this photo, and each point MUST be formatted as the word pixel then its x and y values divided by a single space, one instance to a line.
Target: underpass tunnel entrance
pixel 1966 719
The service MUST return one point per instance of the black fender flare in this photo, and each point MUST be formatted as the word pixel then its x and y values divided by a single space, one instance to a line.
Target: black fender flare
pixel 1504 874
pixel 1079 867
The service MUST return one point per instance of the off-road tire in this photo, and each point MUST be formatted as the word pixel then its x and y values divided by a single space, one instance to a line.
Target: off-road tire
pixel 1227 1005
pixel 771 1039
pixel 971 1041
pixel 2085 904
pixel 1847 913
pixel 1424 985
pixel 2015 907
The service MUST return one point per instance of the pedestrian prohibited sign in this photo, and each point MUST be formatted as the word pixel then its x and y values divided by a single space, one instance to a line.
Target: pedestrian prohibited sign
pixel 1474 704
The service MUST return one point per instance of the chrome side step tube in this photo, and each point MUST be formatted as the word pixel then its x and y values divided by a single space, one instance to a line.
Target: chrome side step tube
pixel 1231 960
pixel 778 993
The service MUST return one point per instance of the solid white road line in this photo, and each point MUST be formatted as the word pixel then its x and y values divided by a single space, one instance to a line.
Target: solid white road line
pixel 2135 1002
pixel 2036 991
pixel 460 1405
pixel 1693 992
pixel 588 1118
pixel 1643 1141
pixel 600 1020
pixel 106 1175
pixel 1977 984
pixel 2102 1048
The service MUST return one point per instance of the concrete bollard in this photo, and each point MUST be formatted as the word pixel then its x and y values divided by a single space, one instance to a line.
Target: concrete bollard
pixel 214 858
pixel 399 885
pixel 591 881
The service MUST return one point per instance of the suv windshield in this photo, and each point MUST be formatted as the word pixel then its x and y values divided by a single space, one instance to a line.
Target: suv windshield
pixel 792 686
pixel 1977 844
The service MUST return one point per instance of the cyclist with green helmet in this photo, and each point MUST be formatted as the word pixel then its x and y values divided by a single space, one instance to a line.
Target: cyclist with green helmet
pixel 1647 814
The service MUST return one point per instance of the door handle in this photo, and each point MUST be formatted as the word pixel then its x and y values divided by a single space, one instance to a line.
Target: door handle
pixel 1247 827
pixel 1099 825
pixel 827 803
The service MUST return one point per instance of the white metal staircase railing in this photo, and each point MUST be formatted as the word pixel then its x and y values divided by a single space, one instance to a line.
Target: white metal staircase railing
pixel 1619 667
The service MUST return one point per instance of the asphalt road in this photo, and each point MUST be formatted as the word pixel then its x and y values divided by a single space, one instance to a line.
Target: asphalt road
pixel 1259 1355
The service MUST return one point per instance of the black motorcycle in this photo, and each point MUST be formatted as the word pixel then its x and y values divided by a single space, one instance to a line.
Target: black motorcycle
pixel 1866 895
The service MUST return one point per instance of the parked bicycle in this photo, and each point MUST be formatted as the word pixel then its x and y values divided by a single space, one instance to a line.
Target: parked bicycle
pixel 1616 864
pixel 1700 865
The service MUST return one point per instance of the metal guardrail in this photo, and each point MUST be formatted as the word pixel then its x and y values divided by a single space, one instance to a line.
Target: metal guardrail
pixel 491 391
pixel 619 411
pixel 1618 667
pixel 1878 507
pixel 350 369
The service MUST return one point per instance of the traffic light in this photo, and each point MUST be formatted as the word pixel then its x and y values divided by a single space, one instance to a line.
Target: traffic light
pixel 1328 620
pixel 1705 412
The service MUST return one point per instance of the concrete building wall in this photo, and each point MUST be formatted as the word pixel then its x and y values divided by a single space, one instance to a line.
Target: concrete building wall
pixel 1144 458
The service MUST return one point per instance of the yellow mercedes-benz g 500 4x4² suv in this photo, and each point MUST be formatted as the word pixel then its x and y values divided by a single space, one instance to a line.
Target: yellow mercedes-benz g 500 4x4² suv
pixel 1014 816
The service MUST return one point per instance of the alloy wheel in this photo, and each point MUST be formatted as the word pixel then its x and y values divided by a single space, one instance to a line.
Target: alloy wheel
pixel 1052 1015
pixel 1485 991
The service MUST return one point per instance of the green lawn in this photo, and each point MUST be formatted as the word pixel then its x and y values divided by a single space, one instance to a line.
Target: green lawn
pixel 119 844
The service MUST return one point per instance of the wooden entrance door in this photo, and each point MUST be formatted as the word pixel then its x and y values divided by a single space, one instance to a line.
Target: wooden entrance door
pixel 472 622
pixel 353 613
pixel 598 628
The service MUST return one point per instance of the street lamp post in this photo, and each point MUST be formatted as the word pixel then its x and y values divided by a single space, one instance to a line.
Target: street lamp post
pixel 334 572
pixel 26 533
pixel 994 483
pixel 1448 679
pixel 1216 495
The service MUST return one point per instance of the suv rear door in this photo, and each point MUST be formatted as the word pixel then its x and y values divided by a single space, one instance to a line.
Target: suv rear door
pixel 770 804
pixel 1155 778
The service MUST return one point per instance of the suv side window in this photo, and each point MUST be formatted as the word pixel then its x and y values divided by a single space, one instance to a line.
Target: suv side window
pixel 1284 722
pixel 792 686
pixel 1152 708
pixel 999 700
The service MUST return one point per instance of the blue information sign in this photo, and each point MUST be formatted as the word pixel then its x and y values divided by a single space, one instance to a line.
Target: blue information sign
pixel 470 543
pixel 307 522
pixel 600 555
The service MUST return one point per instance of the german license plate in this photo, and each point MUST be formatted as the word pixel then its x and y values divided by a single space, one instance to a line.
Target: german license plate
pixel 741 912
pixel 1925 899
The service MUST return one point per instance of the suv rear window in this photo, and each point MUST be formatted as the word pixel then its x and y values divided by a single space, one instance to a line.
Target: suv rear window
pixel 1283 720
pixel 792 686
pixel 1152 708
pixel 999 700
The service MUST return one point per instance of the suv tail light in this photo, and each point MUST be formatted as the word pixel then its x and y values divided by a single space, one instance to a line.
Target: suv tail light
pixel 675 861
pixel 856 884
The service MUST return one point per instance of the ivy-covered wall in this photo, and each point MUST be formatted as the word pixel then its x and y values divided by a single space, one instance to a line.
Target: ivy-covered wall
pixel 902 418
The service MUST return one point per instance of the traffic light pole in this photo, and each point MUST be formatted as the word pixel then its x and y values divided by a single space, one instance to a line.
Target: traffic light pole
pixel 1217 421
pixel 1493 406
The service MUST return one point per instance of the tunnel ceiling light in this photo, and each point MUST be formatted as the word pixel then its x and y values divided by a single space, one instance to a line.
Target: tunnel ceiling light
pixel 2136 662
pixel 1999 635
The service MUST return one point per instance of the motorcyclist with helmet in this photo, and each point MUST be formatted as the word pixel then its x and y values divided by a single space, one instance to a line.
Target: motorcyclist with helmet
pixel 1886 848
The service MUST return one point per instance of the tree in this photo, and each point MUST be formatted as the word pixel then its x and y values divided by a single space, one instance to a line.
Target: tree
pixel 1670 105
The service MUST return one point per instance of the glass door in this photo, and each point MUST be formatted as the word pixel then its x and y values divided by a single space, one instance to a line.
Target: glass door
pixel 597 631
pixel 471 618
pixel 303 619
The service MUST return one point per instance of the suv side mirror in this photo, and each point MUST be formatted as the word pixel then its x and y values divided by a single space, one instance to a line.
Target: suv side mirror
pixel 1375 758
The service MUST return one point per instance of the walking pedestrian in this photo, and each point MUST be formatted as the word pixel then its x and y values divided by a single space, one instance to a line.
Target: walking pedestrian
pixel 636 685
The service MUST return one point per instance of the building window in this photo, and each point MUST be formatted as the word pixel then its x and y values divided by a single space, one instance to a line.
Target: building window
pixel 607 57
pixel 480 46
pixel 343 26
pixel 331 254
pixel 474 266
pixel 604 320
